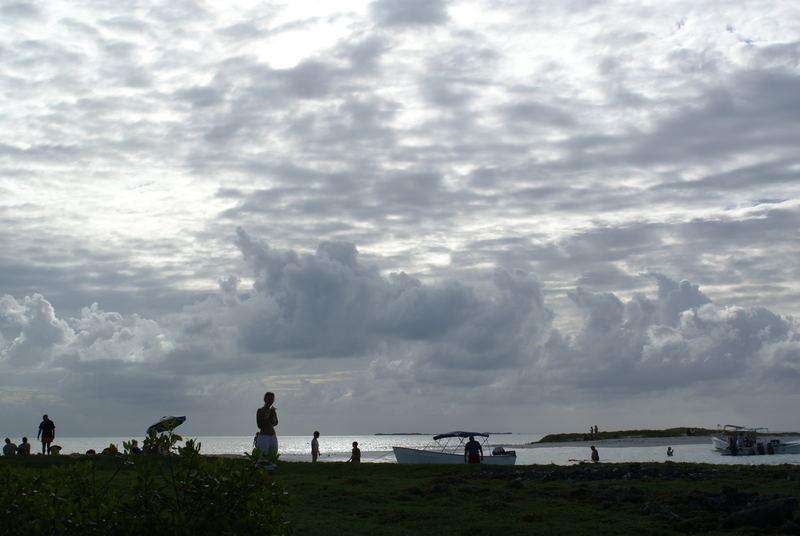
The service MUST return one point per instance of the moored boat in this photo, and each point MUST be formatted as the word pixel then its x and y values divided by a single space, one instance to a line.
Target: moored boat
pixel 449 448
pixel 744 441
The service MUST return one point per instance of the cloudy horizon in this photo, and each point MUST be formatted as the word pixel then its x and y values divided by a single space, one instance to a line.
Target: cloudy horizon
pixel 399 215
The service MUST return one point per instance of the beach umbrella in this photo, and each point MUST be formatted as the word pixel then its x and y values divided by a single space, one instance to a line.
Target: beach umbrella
pixel 165 423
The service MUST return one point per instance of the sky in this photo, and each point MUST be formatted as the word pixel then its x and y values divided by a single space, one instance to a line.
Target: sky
pixel 399 215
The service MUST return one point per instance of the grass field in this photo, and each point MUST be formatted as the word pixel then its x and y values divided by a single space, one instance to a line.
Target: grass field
pixel 665 499
pixel 586 499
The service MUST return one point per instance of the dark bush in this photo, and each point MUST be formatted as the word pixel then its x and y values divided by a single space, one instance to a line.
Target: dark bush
pixel 175 494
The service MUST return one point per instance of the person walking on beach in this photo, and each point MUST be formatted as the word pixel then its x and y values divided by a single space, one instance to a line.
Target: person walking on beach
pixel 47 432
pixel 473 452
pixel 267 420
pixel 595 454
pixel 9 449
pixel 24 448
pixel 315 446
pixel 355 457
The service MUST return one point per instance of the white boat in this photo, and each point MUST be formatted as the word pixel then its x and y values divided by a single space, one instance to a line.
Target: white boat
pixel 744 441
pixel 449 448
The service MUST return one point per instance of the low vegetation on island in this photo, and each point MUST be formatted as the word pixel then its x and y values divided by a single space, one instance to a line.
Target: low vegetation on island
pixel 627 434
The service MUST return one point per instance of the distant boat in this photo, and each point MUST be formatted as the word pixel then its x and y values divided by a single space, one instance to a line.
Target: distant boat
pixel 744 441
pixel 449 448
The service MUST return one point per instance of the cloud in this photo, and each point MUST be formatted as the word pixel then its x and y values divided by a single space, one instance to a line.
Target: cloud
pixel 533 177
pixel 307 311
pixel 20 10
pixel 409 12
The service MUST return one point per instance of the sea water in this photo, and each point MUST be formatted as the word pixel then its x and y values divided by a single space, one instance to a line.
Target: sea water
pixel 378 449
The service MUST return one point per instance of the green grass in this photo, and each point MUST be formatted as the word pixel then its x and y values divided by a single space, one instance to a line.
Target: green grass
pixel 338 498
pixel 586 499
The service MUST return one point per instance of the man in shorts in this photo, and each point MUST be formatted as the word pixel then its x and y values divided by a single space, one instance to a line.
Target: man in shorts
pixel 267 420
pixel 47 432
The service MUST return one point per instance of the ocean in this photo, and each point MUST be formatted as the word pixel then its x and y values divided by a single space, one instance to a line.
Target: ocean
pixel 378 449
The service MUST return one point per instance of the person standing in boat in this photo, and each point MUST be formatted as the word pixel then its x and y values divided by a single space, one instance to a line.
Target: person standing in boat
pixel 473 452
pixel 267 420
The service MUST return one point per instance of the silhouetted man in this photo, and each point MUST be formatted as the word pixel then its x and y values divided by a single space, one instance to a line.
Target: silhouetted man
pixel 47 432
pixel 473 452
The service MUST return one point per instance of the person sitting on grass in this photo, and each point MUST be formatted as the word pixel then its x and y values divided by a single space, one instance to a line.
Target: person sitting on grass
pixel 9 449
pixel 355 457
pixel 473 452
pixel 24 448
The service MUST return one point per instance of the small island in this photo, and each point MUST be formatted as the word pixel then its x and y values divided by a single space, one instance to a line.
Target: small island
pixel 627 434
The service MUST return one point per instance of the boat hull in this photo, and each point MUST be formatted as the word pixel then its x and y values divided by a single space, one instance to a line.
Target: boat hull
pixel 408 455
pixel 762 447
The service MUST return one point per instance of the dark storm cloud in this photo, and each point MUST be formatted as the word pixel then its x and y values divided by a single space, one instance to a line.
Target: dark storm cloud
pixel 331 304
pixel 448 335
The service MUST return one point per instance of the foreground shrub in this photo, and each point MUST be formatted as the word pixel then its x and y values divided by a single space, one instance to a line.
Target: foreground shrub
pixel 177 494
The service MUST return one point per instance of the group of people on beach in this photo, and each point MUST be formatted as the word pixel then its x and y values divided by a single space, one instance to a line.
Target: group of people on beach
pixel 266 439
pixel 47 433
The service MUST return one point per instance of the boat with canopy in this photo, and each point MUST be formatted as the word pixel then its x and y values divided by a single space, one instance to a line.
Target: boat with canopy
pixel 449 448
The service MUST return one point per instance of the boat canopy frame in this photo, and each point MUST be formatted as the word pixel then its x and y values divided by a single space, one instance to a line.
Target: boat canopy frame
pixel 452 441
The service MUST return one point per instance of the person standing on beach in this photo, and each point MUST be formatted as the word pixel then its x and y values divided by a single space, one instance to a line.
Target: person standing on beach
pixel 473 452
pixel 315 446
pixel 355 457
pixel 595 454
pixel 267 420
pixel 9 449
pixel 47 432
